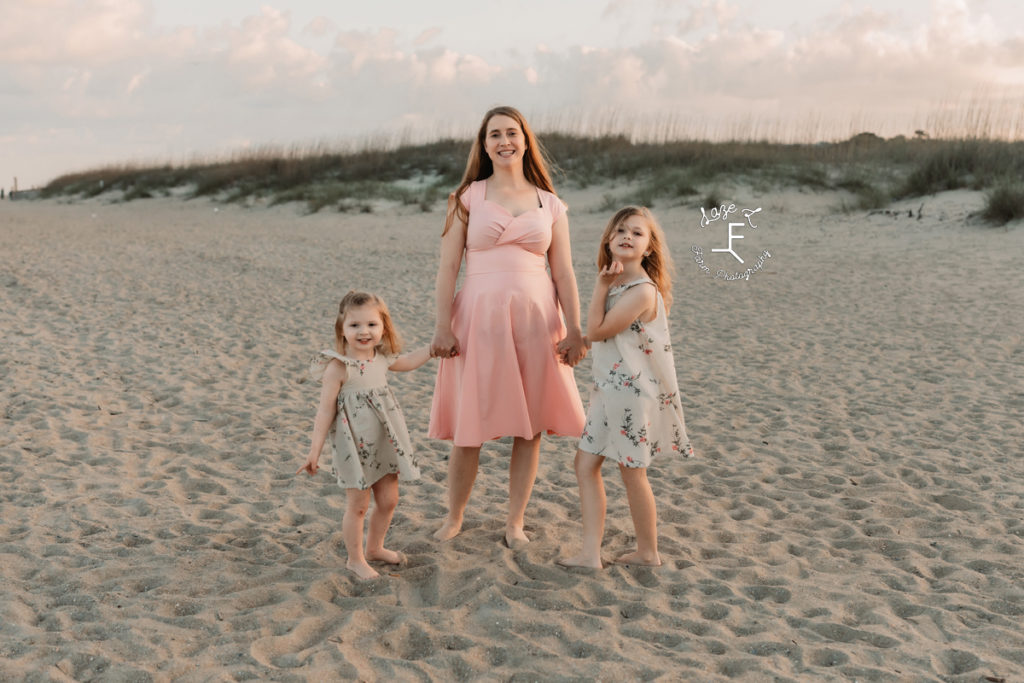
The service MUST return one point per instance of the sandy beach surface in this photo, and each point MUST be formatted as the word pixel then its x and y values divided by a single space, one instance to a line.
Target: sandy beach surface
pixel 855 510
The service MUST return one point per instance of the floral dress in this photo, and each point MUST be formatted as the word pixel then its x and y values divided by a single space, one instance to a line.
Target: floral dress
pixel 635 412
pixel 368 438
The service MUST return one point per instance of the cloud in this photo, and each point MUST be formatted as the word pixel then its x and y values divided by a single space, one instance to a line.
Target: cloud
pixel 616 7
pixel 714 55
pixel 97 33
pixel 320 27
pixel 136 81
pixel 427 36
pixel 845 65
pixel 103 73
pixel 366 46
pixel 261 53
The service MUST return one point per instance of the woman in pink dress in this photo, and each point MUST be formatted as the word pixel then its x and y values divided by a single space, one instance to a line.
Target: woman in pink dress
pixel 507 356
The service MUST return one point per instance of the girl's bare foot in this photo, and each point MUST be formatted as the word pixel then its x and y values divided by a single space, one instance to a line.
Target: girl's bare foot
pixel 449 530
pixel 388 556
pixel 364 571
pixel 643 560
pixel 515 538
pixel 580 560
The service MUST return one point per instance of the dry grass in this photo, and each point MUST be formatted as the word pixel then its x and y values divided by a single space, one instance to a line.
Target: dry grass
pixel 657 166
pixel 1005 203
pixel 318 176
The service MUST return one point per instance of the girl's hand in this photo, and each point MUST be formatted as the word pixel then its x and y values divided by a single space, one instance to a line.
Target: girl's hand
pixel 444 345
pixel 572 349
pixel 311 466
pixel 608 274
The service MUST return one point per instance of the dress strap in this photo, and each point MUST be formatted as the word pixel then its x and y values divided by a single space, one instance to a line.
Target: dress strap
pixel 617 289
pixel 479 192
pixel 322 359
pixel 481 187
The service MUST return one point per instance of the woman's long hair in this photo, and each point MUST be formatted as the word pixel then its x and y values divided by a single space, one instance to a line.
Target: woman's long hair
pixel 657 264
pixel 479 166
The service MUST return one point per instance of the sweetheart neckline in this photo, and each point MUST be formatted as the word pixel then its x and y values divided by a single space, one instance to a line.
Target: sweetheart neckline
pixel 505 209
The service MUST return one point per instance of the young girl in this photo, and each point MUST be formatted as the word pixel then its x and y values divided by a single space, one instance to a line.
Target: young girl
pixel 635 411
pixel 360 419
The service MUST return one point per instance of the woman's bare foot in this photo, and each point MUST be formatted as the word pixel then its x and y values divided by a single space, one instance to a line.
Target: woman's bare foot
pixel 643 560
pixel 449 530
pixel 580 560
pixel 364 571
pixel 388 556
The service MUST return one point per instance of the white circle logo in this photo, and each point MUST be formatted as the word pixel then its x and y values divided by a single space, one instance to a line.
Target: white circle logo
pixel 727 231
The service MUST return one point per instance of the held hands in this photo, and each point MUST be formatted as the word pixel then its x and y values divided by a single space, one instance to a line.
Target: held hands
pixel 444 345
pixel 572 349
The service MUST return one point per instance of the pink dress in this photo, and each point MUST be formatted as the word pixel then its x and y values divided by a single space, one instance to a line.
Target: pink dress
pixel 507 379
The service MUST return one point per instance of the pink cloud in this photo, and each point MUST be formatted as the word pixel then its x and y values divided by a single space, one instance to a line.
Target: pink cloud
pixel 96 33
pixel 261 52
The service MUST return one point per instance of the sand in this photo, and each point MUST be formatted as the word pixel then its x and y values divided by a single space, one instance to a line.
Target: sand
pixel 855 509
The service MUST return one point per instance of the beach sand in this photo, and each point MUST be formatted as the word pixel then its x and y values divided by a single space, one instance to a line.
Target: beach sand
pixel 855 509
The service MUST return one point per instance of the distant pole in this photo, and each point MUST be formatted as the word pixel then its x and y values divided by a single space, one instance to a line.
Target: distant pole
pixel 15 184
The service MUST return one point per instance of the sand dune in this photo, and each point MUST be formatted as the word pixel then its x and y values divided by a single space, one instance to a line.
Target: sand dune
pixel 855 509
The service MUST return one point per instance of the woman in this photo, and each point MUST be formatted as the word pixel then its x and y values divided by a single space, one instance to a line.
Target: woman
pixel 507 357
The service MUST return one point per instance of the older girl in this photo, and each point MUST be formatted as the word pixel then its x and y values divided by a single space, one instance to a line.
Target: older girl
pixel 635 411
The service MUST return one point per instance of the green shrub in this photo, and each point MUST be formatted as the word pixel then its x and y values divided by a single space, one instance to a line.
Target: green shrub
pixel 712 199
pixel 137 192
pixel 949 165
pixel 867 195
pixel 947 168
pixel 422 175
pixel 872 197
pixel 671 183
pixel 1004 203
pixel 609 202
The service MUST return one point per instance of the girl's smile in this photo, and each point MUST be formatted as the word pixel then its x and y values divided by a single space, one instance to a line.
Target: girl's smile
pixel 363 331
pixel 630 239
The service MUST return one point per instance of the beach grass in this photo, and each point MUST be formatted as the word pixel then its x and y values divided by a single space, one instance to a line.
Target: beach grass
pixel 872 170
pixel 1004 203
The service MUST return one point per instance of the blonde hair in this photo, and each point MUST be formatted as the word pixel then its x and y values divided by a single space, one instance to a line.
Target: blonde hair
pixel 657 264
pixel 479 165
pixel 390 342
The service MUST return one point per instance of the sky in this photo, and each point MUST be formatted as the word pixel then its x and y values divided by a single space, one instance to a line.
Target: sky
pixel 89 83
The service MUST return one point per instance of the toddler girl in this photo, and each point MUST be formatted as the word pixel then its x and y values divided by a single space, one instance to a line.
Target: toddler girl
pixel 360 420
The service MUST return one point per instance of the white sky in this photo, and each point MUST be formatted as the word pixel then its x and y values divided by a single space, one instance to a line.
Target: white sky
pixel 91 82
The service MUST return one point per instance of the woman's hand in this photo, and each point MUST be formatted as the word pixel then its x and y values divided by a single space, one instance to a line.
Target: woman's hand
pixel 444 345
pixel 572 349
